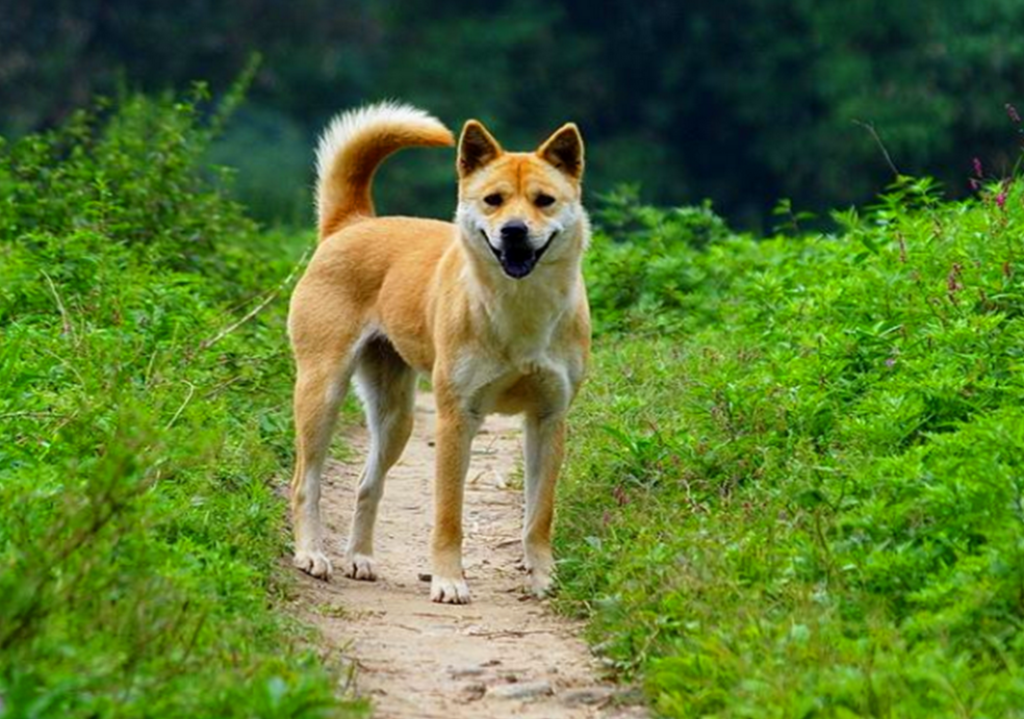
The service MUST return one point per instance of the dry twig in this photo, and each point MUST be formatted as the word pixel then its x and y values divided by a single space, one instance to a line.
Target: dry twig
pixel 206 344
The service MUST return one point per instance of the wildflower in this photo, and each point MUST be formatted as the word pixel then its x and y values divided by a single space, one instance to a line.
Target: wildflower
pixel 890 362
pixel 974 184
pixel 1001 197
pixel 978 171
pixel 953 284
pixel 620 496
pixel 1011 111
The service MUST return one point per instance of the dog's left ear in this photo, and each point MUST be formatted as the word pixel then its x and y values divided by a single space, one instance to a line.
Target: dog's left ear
pixel 564 150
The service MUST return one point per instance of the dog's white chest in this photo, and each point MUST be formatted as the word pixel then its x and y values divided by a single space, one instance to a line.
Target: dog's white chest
pixel 520 359
pixel 541 378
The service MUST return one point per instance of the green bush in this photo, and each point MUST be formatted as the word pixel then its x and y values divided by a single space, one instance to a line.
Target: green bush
pixel 645 262
pixel 141 426
pixel 273 165
pixel 807 501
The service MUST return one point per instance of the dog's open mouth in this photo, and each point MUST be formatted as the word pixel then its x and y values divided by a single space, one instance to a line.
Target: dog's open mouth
pixel 519 260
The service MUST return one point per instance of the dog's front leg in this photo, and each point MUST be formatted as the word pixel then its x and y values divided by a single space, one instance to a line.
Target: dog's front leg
pixel 544 451
pixel 455 432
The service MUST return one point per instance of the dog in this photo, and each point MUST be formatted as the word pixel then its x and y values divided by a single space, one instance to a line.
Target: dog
pixel 493 307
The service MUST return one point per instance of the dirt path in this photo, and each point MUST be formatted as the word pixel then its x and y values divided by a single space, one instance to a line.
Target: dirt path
pixel 501 656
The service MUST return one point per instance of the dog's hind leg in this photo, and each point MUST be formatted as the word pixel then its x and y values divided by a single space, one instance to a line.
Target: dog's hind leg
pixel 387 387
pixel 322 379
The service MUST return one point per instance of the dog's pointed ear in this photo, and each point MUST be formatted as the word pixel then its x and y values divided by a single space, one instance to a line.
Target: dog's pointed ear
pixel 477 147
pixel 564 150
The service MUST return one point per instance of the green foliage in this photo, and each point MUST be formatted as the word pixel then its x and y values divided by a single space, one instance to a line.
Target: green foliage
pixel 272 160
pixel 743 102
pixel 645 283
pixel 807 501
pixel 140 527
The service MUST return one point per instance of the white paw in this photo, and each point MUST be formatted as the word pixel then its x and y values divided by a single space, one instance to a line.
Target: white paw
pixel 314 563
pixel 541 583
pixel 360 566
pixel 540 565
pixel 449 591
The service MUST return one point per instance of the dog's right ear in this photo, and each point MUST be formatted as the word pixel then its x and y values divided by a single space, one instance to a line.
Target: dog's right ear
pixel 477 147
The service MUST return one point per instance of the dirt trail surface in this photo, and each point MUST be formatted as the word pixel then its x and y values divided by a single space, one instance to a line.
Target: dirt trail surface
pixel 503 655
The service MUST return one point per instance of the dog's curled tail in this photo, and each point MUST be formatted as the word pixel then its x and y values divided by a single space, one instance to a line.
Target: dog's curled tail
pixel 351 148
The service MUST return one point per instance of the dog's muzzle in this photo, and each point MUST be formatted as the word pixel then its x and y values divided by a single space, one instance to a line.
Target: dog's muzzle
pixel 518 257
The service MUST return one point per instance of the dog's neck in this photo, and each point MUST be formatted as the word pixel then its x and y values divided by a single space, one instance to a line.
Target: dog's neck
pixel 523 314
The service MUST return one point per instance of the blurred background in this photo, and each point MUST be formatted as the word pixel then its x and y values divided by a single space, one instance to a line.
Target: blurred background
pixel 743 102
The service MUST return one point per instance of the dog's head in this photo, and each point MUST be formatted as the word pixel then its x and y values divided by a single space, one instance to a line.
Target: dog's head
pixel 521 210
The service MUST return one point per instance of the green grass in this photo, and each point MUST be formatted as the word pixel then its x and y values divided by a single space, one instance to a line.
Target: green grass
pixel 143 432
pixel 796 474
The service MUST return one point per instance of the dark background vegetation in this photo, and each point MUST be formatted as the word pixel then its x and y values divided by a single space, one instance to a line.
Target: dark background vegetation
pixel 742 102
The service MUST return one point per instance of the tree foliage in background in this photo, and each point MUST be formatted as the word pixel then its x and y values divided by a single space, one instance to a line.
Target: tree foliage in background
pixel 742 102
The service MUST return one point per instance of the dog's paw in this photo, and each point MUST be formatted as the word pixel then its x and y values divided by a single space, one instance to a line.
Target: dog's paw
pixel 541 583
pixel 314 563
pixel 449 591
pixel 540 566
pixel 360 566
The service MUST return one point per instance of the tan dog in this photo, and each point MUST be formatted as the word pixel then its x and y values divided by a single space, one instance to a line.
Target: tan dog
pixel 493 307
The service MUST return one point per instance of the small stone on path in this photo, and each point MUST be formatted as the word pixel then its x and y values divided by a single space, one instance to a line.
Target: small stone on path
pixel 521 690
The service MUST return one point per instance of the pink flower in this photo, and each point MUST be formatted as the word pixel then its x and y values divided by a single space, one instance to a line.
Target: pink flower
pixel 1001 199
pixel 620 495
pixel 1011 111
pixel 978 171
pixel 953 284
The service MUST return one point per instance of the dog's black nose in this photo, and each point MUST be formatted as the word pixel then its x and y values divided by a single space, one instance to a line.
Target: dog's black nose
pixel 514 231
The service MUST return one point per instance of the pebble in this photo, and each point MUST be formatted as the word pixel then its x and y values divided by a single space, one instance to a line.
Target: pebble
pixel 472 692
pixel 521 690
pixel 586 695
pixel 466 671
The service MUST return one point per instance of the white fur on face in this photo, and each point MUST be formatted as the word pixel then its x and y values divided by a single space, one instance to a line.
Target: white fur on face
pixel 472 223
pixel 477 228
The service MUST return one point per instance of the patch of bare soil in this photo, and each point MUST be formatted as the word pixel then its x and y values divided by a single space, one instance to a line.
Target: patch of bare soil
pixel 503 655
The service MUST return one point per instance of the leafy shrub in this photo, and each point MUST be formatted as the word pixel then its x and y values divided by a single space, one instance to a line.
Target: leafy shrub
pixel 270 153
pixel 141 424
pixel 645 282
pixel 808 501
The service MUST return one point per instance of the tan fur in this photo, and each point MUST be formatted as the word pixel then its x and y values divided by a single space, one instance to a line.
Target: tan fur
pixel 385 298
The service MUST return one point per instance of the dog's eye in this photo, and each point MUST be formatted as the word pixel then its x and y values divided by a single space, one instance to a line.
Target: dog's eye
pixel 494 200
pixel 544 201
